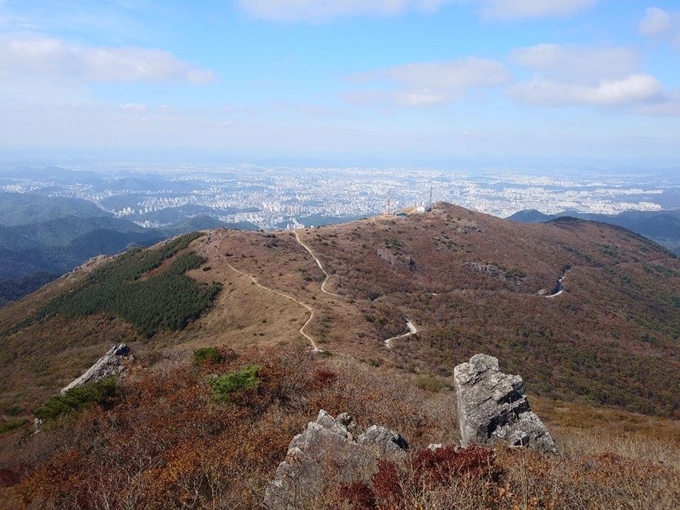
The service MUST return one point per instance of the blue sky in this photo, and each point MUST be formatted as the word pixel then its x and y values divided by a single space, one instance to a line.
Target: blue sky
pixel 416 80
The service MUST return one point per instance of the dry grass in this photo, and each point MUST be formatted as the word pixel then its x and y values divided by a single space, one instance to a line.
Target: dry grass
pixel 173 445
pixel 549 342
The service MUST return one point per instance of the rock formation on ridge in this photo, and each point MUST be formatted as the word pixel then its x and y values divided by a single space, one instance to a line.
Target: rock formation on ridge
pixel 492 406
pixel 327 452
pixel 109 364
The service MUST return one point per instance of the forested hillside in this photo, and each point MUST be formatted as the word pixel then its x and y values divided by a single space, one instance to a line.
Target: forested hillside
pixel 43 237
pixel 587 313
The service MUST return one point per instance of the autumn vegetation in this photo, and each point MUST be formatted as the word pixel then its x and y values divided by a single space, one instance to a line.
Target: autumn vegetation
pixel 222 378
pixel 164 441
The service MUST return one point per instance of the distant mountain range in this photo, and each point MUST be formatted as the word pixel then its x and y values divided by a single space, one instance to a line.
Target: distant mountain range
pixel 662 227
pixel 42 238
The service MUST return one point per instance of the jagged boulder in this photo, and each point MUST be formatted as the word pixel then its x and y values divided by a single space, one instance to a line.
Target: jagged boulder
pixel 492 406
pixel 111 363
pixel 384 442
pixel 328 452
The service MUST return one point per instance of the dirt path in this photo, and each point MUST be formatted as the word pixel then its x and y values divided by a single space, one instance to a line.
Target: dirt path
pixel 411 331
pixel 560 286
pixel 388 343
pixel 318 263
pixel 274 291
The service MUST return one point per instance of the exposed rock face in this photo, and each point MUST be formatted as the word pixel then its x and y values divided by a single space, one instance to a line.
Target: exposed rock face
pixel 328 452
pixel 110 363
pixel 492 406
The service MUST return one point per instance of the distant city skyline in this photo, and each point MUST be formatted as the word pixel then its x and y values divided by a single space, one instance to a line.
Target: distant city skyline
pixel 413 81
pixel 278 198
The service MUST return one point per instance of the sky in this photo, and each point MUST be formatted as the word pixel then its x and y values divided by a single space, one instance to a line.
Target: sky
pixel 402 80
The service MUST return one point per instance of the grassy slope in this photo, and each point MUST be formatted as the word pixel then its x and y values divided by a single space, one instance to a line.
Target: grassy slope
pixel 610 338
pixel 615 318
pixel 165 444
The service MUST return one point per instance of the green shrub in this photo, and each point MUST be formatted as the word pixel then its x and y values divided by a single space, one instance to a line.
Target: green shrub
pixel 207 355
pixel 12 425
pixel 428 383
pixel 77 399
pixel 231 382
pixel 14 411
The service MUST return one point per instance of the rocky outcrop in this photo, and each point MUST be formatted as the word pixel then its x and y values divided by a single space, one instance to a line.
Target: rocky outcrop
pixel 111 363
pixel 328 452
pixel 492 406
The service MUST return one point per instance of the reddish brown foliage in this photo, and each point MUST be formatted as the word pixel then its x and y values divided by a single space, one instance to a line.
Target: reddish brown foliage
pixel 359 495
pixel 9 478
pixel 387 485
pixel 395 487
pixel 435 467
pixel 324 377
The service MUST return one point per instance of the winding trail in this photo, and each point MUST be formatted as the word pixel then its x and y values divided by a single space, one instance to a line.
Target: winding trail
pixel 274 291
pixel 411 331
pixel 560 286
pixel 388 343
pixel 318 263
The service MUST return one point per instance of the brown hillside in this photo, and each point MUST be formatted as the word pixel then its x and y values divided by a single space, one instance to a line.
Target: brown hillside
pixel 467 281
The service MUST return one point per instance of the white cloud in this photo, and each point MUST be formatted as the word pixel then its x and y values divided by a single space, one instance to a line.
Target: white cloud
pixel 656 22
pixel 575 75
pixel 661 24
pixel 517 9
pixel 632 90
pixel 134 107
pixel 576 63
pixel 454 75
pixel 319 11
pixel 430 83
pixel 324 10
pixel 50 57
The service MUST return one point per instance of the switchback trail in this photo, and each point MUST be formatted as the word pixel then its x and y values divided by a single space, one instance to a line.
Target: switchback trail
pixel 318 263
pixel 411 331
pixel 411 328
pixel 254 280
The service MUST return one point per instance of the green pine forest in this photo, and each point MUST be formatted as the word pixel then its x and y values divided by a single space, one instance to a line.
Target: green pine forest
pixel 167 299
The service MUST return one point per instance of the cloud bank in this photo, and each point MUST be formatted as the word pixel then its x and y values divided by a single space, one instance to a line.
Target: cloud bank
pixel 634 89
pixel 54 58
pixel 320 11
pixel 576 75
pixel 325 10
pixel 518 9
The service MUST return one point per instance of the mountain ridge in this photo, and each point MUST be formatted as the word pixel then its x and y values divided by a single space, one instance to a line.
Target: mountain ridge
pixel 592 357
pixel 662 227
pixel 466 279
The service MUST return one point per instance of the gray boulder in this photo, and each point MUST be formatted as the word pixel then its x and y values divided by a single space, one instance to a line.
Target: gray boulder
pixel 384 442
pixel 492 406
pixel 328 452
pixel 109 364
